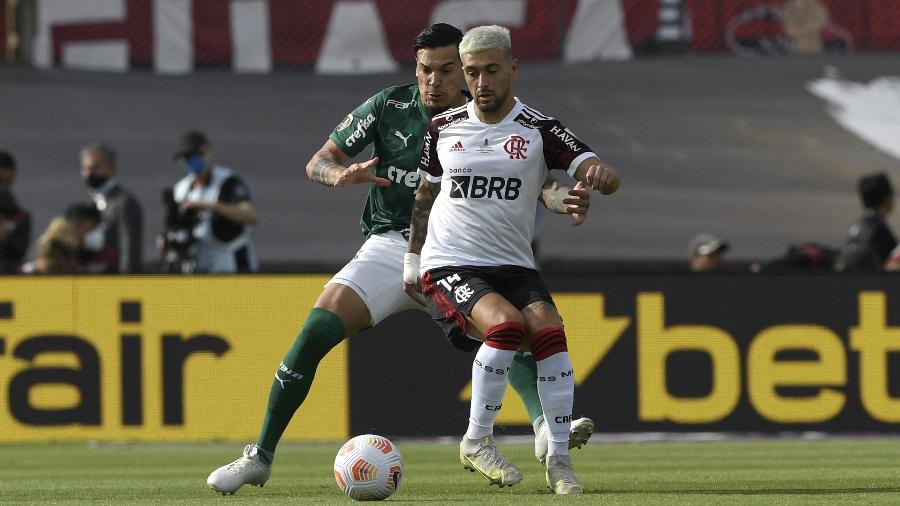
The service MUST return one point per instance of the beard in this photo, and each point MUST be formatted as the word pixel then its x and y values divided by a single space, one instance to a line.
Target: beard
pixel 434 110
pixel 492 105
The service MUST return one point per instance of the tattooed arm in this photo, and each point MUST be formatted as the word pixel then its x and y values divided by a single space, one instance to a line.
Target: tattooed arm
pixel 327 167
pixel 418 230
pixel 421 211
pixel 565 200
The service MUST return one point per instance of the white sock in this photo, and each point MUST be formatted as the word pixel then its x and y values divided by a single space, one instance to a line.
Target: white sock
pixel 556 398
pixel 488 388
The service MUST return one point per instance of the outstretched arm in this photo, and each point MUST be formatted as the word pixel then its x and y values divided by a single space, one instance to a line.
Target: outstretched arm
pixel 598 175
pixel 418 230
pixel 327 167
pixel 563 199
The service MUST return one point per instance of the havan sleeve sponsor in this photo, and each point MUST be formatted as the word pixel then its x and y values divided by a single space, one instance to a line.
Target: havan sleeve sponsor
pixel 562 149
pixel 430 164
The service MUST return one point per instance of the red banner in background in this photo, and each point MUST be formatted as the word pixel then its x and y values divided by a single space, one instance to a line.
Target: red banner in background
pixel 868 25
pixel 177 35
pixel 2 29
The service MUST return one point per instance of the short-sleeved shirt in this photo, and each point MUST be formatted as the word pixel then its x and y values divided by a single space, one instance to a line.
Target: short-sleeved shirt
pixel 869 243
pixel 490 175
pixel 394 122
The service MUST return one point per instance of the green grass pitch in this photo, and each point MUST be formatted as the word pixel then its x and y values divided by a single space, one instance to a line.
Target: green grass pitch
pixel 783 472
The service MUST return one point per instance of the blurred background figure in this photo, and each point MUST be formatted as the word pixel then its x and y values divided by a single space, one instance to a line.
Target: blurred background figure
pixel 706 253
pixel 810 256
pixel 93 255
pixel 224 212
pixel 56 251
pixel 15 222
pixel 870 240
pixel 122 218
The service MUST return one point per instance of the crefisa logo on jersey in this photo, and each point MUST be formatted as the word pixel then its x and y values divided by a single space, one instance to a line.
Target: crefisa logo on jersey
pixel 481 187
pixel 516 146
pixel 360 130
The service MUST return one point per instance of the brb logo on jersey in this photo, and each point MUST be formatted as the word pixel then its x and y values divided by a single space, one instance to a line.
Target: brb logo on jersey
pixel 481 187
pixel 516 147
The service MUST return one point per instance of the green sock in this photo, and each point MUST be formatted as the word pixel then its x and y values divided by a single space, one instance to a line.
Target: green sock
pixel 523 378
pixel 321 332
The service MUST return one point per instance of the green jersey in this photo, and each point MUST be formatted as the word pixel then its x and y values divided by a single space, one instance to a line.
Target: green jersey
pixel 395 121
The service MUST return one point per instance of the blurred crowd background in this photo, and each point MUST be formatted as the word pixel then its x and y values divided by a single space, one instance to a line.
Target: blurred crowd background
pixel 755 134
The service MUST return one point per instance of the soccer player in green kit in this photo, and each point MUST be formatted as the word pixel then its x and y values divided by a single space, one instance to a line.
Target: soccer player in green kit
pixel 367 290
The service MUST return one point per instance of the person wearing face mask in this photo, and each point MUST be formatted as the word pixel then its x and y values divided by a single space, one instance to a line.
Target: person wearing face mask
pixel 15 222
pixel 223 205
pixel 122 225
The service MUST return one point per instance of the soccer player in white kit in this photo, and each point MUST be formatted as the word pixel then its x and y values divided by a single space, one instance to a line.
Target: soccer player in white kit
pixel 483 165
pixel 367 289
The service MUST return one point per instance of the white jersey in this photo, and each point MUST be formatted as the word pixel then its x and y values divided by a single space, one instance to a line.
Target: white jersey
pixel 491 176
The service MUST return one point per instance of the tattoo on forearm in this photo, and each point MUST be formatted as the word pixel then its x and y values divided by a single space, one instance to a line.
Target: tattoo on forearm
pixel 421 211
pixel 325 171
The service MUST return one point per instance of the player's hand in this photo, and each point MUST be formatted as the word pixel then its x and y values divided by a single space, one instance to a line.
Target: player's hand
pixel 414 292
pixel 412 282
pixel 358 173
pixel 602 178
pixel 578 203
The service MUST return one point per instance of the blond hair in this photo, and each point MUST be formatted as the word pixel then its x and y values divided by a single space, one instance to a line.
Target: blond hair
pixel 483 38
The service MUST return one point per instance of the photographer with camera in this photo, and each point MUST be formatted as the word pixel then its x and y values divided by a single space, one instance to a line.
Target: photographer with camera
pixel 209 231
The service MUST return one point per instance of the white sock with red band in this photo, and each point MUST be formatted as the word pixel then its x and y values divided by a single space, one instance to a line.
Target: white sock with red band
pixel 489 376
pixel 556 386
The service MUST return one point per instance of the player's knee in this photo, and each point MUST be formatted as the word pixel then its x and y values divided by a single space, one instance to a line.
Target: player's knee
pixel 343 302
pixel 540 315
pixel 548 342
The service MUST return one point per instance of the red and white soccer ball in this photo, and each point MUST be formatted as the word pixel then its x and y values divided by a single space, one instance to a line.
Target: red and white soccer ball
pixel 368 468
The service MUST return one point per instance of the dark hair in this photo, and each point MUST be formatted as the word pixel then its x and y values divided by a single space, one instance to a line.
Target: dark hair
pixel 192 143
pixel 874 189
pixel 104 150
pixel 437 35
pixel 7 161
pixel 82 212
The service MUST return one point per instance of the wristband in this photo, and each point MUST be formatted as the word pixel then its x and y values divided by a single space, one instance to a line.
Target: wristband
pixel 411 268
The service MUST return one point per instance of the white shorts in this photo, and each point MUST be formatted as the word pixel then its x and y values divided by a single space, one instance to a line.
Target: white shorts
pixel 376 275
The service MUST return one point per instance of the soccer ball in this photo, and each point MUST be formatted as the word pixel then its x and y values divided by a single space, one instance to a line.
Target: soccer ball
pixel 368 468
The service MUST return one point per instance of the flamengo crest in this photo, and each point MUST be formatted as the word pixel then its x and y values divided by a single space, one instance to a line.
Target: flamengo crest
pixel 516 147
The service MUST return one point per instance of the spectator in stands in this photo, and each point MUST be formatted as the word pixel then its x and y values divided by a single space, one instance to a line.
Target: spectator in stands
pixel 224 209
pixel 15 222
pixel 123 222
pixel 870 240
pixel 56 251
pixel 809 256
pixel 84 223
pixel 706 253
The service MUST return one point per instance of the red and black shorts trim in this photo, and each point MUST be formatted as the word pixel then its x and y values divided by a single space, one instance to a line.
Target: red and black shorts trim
pixel 452 292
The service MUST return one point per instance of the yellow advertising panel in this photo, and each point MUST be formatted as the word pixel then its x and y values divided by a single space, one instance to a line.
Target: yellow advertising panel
pixel 158 358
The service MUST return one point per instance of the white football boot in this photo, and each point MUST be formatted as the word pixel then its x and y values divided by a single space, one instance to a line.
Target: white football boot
pixel 251 469
pixel 483 456
pixel 579 433
pixel 561 477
